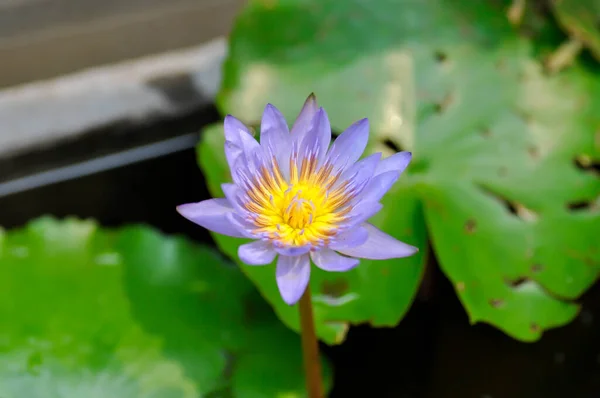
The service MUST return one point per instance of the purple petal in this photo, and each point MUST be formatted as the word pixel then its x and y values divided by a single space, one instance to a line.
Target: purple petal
pixel 245 169
pixel 397 162
pixel 361 213
pixel 359 174
pixel 379 185
pixel 235 196
pixel 238 141
pixel 291 251
pixel 257 253
pixel 245 227
pixel 349 146
pixel 293 274
pixel 212 215
pixel 353 237
pixel 275 137
pixel 304 121
pixel 316 139
pixel 380 246
pixel 329 260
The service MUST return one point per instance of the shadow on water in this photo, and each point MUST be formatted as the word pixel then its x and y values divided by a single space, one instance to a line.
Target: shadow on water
pixel 434 353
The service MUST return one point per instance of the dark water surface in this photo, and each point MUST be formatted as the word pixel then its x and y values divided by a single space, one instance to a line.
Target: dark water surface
pixel 433 353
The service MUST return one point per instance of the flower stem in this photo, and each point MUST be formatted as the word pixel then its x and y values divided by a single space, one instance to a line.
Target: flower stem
pixel 310 347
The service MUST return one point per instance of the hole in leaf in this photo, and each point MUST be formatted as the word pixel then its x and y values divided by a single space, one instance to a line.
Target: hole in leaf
pixel 440 57
pixel 536 268
pixel 496 303
pixel 514 283
pixel 392 145
pixel 586 163
pixel 575 206
pixel 513 207
pixel 470 226
pixel 336 288
pixel 584 205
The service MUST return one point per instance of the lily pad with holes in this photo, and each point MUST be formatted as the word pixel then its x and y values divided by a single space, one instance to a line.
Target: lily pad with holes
pixel 131 313
pixel 504 156
pixel 379 292
pixel 581 19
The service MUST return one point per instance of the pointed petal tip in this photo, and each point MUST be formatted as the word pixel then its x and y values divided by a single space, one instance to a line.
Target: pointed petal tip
pixel 380 246
pixel 291 301
pixel 310 102
pixel 411 251
pixel 182 208
pixel 292 275
pixel 322 116
pixel 270 107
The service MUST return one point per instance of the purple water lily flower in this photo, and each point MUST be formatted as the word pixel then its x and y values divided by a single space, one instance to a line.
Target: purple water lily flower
pixel 301 199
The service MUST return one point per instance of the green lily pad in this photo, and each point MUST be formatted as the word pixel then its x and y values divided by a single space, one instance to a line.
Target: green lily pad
pixel 91 313
pixel 379 292
pixel 581 19
pixel 504 156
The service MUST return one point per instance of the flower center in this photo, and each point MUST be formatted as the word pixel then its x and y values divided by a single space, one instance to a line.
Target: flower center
pixel 300 212
pixel 307 210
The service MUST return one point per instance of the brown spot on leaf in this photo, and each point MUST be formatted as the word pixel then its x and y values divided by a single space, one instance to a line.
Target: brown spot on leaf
pixel 515 282
pixel 526 117
pixel 534 152
pixel 503 171
pixel 587 163
pixel 486 132
pixel 501 65
pixel 470 226
pixel 534 327
pixel 441 106
pixel 460 286
pixel 536 268
pixel 440 57
pixel 496 303
pixel 590 261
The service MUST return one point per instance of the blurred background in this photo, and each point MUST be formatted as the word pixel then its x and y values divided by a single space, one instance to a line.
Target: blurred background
pixel 101 108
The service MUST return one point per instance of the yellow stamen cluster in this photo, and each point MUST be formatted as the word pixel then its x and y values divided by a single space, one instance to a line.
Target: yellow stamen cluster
pixel 304 211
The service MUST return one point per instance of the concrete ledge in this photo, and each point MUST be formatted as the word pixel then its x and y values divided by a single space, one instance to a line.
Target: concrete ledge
pixel 37 115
